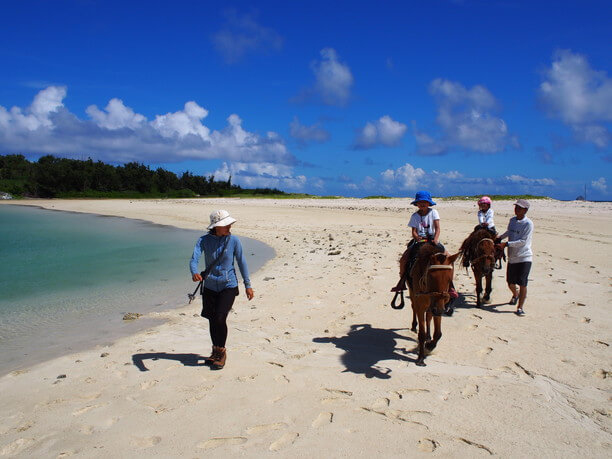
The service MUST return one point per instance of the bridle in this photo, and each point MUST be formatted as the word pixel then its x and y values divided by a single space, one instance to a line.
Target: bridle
pixel 481 258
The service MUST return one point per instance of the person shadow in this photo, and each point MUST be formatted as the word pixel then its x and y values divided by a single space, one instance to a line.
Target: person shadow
pixel 364 346
pixel 189 360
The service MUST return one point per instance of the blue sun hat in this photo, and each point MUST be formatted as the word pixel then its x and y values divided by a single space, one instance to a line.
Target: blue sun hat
pixel 423 196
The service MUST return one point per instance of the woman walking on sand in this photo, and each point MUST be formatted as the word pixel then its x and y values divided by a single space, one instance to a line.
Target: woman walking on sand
pixel 220 287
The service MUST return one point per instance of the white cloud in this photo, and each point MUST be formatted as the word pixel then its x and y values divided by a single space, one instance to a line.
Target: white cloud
pixel 333 78
pixel 307 134
pixel 530 181
pixel 183 122
pixel 119 134
pixel 600 184
pixel 261 175
pixel 385 131
pixel 466 120
pixel 241 34
pixel 115 116
pixel 37 115
pixel 409 178
pixel 579 96
pixel 406 177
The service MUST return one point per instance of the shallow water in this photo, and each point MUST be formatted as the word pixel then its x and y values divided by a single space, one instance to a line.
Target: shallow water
pixel 66 279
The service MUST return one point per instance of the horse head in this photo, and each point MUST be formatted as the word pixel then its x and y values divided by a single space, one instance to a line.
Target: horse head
pixel 439 277
pixel 485 257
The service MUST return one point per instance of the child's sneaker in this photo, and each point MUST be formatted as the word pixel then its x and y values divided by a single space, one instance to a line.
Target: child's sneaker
pixel 520 312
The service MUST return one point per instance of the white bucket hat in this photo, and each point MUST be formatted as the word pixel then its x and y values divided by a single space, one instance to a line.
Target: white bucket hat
pixel 220 218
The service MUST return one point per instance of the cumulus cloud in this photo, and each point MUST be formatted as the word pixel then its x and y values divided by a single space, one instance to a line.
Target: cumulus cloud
pixel 406 177
pixel 261 175
pixel 530 181
pixel 242 34
pixel 579 96
pixel 384 131
pixel 308 134
pixel 600 184
pixel 119 134
pixel 409 178
pixel 115 116
pixel 333 79
pixel 466 118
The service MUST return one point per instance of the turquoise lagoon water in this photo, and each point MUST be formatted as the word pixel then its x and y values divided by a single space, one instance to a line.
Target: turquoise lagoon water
pixel 66 279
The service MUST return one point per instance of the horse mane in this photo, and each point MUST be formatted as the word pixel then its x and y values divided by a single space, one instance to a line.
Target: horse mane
pixel 468 247
pixel 423 259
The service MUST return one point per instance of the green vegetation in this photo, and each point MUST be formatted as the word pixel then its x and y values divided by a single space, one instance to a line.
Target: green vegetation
pixel 377 197
pixel 494 197
pixel 52 177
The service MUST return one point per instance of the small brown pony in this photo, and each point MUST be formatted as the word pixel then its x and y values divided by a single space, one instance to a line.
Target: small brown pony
pixel 431 278
pixel 479 251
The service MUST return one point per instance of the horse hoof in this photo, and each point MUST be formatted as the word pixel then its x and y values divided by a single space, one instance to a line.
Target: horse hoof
pixel 420 363
pixel 430 345
pixel 449 311
pixel 486 300
pixel 414 329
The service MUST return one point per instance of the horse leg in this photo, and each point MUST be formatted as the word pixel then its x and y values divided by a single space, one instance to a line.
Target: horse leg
pixel 478 277
pixel 431 345
pixel 489 279
pixel 420 361
pixel 414 313
pixel 427 329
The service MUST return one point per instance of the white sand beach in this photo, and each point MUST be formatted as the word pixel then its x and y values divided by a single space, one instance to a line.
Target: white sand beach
pixel 319 365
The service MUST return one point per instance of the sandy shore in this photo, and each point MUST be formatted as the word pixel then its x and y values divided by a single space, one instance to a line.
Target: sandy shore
pixel 320 365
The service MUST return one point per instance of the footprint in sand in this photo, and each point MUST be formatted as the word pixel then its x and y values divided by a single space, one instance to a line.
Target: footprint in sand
pixel 470 390
pixel 486 351
pixel 148 384
pixel 221 441
pixel 145 442
pixel 287 439
pixel 265 428
pixel 85 409
pixel 427 445
pixel 16 446
pixel 322 419
pixel 381 403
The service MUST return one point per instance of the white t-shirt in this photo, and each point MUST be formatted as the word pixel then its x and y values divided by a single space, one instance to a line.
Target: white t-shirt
pixel 424 224
pixel 519 240
pixel 486 217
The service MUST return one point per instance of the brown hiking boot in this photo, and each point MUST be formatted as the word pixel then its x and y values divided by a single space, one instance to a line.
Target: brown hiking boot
pixel 211 358
pixel 219 359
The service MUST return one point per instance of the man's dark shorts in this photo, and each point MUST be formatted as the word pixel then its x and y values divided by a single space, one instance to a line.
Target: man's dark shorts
pixel 518 273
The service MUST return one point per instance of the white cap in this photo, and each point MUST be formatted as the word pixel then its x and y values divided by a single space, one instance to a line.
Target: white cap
pixel 220 218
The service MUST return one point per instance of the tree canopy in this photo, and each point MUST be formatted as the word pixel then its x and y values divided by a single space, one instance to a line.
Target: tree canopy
pixel 51 177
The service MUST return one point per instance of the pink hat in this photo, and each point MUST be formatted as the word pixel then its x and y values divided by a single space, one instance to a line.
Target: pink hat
pixel 484 200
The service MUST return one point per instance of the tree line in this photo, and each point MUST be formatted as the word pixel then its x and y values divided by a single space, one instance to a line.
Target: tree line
pixel 52 177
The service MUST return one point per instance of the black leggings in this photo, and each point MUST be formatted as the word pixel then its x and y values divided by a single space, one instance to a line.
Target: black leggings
pixel 221 304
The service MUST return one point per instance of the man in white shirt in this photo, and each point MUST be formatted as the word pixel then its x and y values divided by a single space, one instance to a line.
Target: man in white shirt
pixel 520 230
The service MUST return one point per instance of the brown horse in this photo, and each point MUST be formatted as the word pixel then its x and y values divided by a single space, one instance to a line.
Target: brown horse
pixel 478 250
pixel 431 278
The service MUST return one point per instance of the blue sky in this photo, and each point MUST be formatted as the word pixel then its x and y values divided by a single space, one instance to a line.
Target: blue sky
pixel 349 98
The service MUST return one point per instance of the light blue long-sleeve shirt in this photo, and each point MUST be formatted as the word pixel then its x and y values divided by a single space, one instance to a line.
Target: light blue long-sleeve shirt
pixel 223 274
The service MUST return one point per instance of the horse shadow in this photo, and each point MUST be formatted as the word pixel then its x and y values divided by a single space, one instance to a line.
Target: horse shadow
pixel 462 302
pixel 189 360
pixel 364 346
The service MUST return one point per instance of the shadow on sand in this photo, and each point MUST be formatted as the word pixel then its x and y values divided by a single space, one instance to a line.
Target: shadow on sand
pixel 189 360
pixel 462 303
pixel 364 346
